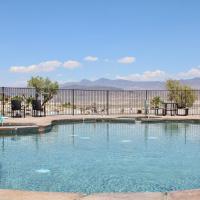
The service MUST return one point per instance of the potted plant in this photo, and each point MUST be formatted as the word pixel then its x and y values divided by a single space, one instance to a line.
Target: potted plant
pixel 28 102
pixel 156 102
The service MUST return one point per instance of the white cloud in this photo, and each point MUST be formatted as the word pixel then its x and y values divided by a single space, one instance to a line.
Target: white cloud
pixel 71 64
pixel 161 75
pixel 127 60
pixel 194 72
pixel 41 67
pixel 146 76
pixel 91 58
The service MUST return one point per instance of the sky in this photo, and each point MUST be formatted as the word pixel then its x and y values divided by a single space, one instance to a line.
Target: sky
pixel 71 40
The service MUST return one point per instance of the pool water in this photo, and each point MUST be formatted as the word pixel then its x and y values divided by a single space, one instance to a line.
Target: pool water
pixel 103 157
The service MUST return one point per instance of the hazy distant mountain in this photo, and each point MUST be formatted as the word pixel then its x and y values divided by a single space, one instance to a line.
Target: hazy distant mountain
pixel 194 83
pixel 109 84
pixel 87 87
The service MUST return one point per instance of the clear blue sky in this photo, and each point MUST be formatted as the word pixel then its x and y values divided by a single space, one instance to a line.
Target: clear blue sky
pixel 70 40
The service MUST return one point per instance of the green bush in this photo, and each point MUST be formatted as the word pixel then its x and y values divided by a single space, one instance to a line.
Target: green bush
pixel 18 98
pixel 183 95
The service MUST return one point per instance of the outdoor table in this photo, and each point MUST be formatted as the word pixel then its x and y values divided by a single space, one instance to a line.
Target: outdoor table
pixel 170 106
pixel 157 109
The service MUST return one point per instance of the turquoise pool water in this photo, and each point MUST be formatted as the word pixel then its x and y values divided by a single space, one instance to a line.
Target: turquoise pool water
pixel 103 157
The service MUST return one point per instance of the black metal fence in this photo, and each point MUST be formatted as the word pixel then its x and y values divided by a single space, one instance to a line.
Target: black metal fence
pixel 93 102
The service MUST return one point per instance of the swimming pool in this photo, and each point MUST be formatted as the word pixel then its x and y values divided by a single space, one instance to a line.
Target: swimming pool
pixel 103 157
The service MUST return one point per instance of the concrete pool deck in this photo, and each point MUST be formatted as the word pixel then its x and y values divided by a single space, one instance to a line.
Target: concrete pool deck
pixel 30 195
pixel 42 123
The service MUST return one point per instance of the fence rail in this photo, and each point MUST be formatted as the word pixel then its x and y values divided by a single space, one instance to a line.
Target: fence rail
pixel 109 102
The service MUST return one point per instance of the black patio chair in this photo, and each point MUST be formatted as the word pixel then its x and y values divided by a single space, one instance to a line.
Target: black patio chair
pixel 38 109
pixel 17 110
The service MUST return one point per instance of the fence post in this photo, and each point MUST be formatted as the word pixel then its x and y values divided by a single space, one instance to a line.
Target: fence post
pixel 185 98
pixel 145 103
pixel 146 95
pixel 3 101
pixel 182 95
pixel 107 102
pixel 73 102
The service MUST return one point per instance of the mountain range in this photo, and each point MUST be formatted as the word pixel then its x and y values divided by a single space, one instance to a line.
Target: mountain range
pixel 119 84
